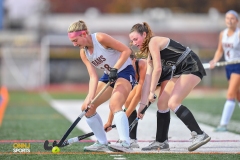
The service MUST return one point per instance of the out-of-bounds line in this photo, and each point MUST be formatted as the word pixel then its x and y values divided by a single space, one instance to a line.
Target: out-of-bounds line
pixel 40 141
pixel 104 153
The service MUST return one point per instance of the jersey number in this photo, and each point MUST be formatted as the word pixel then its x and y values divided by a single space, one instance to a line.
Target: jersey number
pixel 106 66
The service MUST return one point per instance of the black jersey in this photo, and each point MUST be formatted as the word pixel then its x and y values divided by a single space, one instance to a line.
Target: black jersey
pixel 166 74
pixel 171 53
pixel 191 64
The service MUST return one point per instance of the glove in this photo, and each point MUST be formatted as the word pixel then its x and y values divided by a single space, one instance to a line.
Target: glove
pixel 113 75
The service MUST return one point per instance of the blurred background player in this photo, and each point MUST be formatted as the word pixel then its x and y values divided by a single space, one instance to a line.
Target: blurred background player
pixel 140 66
pixel 187 73
pixel 229 45
pixel 99 50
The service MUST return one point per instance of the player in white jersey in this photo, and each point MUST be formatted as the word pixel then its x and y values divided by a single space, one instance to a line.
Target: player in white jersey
pixel 100 50
pixel 229 45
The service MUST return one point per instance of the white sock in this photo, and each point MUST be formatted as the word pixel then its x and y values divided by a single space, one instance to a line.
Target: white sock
pixel 175 110
pixel 238 104
pixel 164 111
pixel 121 122
pixel 95 123
pixel 227 112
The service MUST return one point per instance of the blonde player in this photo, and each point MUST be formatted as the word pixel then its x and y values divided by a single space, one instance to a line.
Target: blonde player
pixel 229 45
pixel 99 50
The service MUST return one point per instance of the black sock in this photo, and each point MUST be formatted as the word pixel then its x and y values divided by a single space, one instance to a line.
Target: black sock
pixel 131 118
pixel 188 119
pixel 163 122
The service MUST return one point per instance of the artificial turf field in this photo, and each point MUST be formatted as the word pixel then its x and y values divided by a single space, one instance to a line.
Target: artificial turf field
pixel 31 120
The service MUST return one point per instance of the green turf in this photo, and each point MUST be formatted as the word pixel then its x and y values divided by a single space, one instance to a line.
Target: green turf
pixel 211 105
pixel 29 117
pixel 62 95
pixel 75 151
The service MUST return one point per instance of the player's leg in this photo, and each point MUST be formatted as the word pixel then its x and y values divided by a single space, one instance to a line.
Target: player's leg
pixel 181 90
pixel 238 96
pixel 122 88
pixel 233 88
pixel 163 118
pixel 132 115
pixel 133 132
pixel 95 122
pixel 120 94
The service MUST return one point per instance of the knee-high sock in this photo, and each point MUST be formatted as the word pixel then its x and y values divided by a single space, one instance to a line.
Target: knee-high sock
pixel 121 122
pixel 227 112
pixel 131 118
pixel 188 119
pixel 163 122
pixel 95 123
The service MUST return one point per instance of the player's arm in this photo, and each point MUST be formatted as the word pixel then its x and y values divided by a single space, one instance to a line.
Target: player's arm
pixel 109 122
pixel 218 53
pixel 146 87
pixel 109 42
pixel 138 90
pixel 155 46
pixel 93 81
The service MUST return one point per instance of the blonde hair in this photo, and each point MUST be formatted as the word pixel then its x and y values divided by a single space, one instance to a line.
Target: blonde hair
pixel 78 26
pixel 141 28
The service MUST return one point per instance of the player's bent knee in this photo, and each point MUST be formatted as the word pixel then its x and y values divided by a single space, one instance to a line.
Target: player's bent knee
pixel 231 96
pixel 172 104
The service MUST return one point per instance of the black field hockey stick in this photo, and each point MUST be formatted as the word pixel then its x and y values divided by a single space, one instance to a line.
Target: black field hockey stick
pixel 142 112
pixel 77 139
pixel 46 143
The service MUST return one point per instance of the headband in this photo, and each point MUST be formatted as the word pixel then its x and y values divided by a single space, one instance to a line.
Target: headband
pixel 233 12
pixel 75 34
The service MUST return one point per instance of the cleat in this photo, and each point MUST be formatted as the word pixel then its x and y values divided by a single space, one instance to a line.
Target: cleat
pixel 198 140
pixel 120 146
pixel 157 146
pixel 96 147
pixel 221 128
pixel 134 143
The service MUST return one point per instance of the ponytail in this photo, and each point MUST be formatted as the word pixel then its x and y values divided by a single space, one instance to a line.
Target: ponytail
pixel 149 34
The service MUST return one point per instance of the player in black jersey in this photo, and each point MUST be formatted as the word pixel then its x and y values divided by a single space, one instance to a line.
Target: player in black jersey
pixel 140 67
pixel 187 72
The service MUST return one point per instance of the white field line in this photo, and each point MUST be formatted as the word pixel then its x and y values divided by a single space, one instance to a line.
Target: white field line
pixel 178 132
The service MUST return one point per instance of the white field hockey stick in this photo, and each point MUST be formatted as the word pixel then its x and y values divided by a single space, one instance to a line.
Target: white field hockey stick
pixel 46 143
pixel 222 63
pixel 76 139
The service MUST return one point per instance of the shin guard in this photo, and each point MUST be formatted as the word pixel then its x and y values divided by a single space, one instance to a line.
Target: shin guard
pixel 163 122
pixel 188 119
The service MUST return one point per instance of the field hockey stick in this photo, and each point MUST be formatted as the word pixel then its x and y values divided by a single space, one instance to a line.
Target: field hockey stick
pixel 46 143
pixel 142 112
pixel 77 139
pixel 222 63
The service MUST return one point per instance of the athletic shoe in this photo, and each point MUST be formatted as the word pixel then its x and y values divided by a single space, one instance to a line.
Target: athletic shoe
pixel 198 140
pixel 120 146
pixel 221 128
pixel 157 146
pixel 134 143
pixel 96 147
